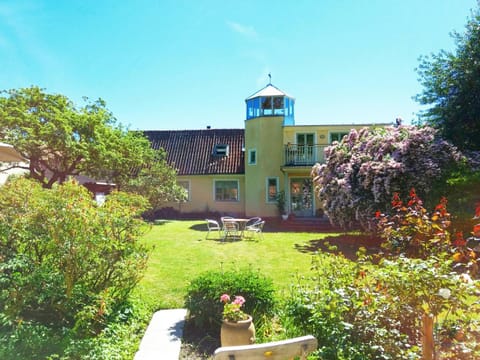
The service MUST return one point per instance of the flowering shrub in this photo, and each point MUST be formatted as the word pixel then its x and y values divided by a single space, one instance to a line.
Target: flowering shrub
pixel 411 231
pixel 363 171
pixel 366 311
pixel 231 309
pixel 466 251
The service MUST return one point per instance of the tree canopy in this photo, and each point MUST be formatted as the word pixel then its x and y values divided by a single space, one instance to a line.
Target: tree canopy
pixel 60 140
pixel 451 82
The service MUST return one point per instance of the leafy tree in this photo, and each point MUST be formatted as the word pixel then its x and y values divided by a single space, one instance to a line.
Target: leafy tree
pixel 363 171
pixel 65 261
pixel 61 140
pixel 157 183
pixel 451 84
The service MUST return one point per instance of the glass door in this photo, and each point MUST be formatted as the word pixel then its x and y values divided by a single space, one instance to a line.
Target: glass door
pixel 305 148
pixel 301 197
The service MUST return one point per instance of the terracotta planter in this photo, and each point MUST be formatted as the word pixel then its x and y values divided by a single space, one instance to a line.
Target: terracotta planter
pixel 237 333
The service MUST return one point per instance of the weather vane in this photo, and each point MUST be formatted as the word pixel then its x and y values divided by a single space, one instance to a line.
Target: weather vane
pixel 270 78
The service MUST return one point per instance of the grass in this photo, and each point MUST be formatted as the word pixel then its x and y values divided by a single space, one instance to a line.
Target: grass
pixel 181 252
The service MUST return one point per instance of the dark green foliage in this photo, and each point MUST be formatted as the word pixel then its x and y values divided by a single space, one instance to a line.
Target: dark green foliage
pixel 65 261
pixel 461 189
pixel 204 292
pixel 451 84
pixel 118 340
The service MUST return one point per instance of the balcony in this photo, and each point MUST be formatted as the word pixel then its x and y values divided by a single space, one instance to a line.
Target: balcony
pixel 303 155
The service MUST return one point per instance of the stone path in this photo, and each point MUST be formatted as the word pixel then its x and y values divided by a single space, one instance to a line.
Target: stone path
pixel 163 337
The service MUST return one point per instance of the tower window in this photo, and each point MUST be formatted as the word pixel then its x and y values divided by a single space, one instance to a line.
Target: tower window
pixel 272 189
pixel 252 156
pixel 221 150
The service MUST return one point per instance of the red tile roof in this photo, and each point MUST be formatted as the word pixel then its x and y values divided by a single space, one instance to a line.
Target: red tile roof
pixel 191 151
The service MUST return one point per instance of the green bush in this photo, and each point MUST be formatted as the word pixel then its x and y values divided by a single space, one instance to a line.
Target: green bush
pixel 203 296
pixel 118 340
pixel 66 261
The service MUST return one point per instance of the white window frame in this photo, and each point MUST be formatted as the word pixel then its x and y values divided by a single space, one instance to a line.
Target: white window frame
pixel 252 151
pixel 267 197
pixel 336 132
pixel 215 181
pixel 305 136
pixel 185 182
pixel 221 150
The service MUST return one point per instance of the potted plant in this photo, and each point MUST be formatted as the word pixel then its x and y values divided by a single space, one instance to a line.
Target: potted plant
pixel 237 327
pixel 281 204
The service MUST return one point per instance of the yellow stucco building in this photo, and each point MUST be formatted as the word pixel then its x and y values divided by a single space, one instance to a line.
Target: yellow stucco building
pixel 240 171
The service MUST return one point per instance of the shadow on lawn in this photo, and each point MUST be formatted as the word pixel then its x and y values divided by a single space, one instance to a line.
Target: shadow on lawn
pixel 199 227
pixel 346 244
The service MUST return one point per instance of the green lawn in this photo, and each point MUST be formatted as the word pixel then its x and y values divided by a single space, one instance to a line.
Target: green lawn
pixel 181 252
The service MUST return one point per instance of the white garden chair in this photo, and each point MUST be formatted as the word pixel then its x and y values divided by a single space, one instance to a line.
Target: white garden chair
pixel 276 350
pixel 255 229
pixel 231 230
pixel 213 225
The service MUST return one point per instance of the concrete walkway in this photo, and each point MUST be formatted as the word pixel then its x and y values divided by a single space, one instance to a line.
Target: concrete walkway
pixel 163 337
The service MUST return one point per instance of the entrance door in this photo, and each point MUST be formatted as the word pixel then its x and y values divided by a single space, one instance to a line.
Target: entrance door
pixel 301 197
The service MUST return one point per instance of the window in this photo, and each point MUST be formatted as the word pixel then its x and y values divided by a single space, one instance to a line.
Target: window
pixel 186 185
pixel 221 150
pixel 272 189
pixel 305 139
pixel 337 136
pixel 252 157
pixel 226 190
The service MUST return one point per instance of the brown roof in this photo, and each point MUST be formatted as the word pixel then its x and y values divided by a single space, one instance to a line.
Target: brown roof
pixel 191 152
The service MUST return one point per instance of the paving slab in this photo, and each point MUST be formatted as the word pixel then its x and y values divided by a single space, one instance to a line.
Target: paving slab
pixel 163 337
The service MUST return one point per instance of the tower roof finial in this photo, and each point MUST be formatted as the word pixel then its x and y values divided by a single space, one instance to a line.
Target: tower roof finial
pixel 269 79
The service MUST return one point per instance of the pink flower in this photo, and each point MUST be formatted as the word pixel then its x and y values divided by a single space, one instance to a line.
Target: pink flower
pixel 231 310
pixel 240 300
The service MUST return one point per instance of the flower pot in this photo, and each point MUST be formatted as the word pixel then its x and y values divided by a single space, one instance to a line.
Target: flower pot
pixel 237 333
pixel 285 217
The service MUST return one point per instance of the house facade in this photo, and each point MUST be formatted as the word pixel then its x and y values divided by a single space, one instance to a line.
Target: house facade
pixel 239 172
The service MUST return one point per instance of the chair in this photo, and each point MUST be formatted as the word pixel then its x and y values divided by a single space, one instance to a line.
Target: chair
pixel 231 230
pixel 213 225
pixel 275 350
pixel 252 221
pixel 223 218
pixel 256 228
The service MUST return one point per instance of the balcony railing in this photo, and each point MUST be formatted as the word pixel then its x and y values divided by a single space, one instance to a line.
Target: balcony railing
pixel 303 155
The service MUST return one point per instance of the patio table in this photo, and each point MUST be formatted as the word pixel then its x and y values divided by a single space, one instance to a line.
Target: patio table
pixel 241 224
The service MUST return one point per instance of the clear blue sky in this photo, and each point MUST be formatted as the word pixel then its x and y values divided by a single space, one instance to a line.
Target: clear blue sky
pixel 172 64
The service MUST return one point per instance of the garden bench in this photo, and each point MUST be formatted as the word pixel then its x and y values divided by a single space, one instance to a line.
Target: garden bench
pixel 276 350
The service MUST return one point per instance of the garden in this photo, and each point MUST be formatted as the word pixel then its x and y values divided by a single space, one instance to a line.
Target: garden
pixel 81 280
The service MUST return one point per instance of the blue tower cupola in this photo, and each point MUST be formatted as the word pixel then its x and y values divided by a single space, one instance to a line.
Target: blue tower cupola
pixel 271 101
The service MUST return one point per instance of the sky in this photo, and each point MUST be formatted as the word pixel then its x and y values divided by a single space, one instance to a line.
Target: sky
pixel 178 64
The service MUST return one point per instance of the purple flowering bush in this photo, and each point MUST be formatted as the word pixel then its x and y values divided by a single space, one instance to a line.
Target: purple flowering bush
pixel 368 166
